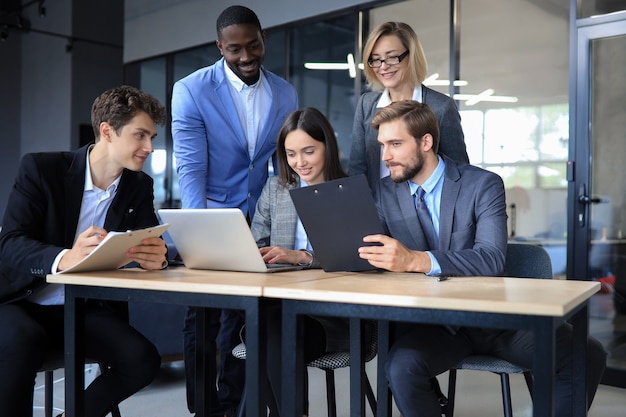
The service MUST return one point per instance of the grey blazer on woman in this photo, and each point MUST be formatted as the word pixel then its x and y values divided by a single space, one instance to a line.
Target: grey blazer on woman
pixel 365 151
pixel 275 219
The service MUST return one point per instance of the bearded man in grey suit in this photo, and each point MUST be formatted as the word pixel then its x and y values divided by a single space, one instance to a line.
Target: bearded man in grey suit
pixel 461 231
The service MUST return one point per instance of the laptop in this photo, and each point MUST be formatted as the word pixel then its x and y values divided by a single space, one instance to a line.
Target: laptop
pixel 336 215
pixel 216 238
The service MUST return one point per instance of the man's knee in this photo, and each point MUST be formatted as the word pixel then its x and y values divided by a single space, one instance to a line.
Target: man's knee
pixel 403 364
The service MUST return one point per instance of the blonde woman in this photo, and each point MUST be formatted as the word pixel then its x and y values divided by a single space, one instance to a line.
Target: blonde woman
pixel 395 67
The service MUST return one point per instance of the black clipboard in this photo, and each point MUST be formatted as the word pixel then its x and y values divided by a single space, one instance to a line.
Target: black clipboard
pixel 336 215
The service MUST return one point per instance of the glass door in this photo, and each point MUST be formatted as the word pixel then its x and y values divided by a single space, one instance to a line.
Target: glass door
pixel 597 192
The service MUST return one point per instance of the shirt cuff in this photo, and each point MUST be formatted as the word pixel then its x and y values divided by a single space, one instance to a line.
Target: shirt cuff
pixel 435 268
pixel 55 265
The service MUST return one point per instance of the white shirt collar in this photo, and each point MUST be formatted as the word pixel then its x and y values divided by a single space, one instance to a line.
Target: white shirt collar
pixel 236 82
pixel 385 98
pixel 89 186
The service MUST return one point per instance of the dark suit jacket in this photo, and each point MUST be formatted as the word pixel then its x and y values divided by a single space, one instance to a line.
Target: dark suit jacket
pixel 42 213
pixel 472 221
pixel 365 150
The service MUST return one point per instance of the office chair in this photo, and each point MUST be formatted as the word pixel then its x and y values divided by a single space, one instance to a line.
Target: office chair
pixel 54 361
pixel 328 363
pixel 522 261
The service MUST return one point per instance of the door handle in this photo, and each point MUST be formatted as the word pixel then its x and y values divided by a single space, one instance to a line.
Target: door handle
pixel 584 200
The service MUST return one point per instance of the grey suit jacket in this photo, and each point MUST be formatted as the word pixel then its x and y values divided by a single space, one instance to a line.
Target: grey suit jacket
pixel 472 223
pixel 275 218
pixel 365 150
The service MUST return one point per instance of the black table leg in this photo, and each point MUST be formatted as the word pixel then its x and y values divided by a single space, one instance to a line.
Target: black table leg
pixel 74 318
pixel 543 367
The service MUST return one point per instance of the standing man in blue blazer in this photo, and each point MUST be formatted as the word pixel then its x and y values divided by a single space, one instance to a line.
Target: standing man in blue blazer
pixel 225 121
pixel 446 217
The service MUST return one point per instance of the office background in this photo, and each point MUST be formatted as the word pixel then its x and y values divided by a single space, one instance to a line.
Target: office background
pixel 57 56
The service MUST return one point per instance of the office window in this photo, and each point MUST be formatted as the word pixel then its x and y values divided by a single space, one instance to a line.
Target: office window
pixel 186 62
pixel 275 52
pixel 152 80
pixel 589 8
pixel 514 107
pixel 329 90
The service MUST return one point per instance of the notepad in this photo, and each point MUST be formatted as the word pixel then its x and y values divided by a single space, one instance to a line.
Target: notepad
pixel 110 254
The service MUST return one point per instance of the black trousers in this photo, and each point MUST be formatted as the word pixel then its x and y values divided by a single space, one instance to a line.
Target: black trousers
pixel 28 331
pixel 421 352
pixel 223 327
pixel 313 346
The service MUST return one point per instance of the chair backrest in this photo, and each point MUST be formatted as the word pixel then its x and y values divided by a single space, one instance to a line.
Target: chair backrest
pixel 527 261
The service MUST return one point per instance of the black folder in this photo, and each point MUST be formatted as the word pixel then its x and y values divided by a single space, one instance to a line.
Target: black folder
pixel 336 215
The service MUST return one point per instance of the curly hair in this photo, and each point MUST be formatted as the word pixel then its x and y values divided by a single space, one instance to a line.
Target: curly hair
pixel 119 105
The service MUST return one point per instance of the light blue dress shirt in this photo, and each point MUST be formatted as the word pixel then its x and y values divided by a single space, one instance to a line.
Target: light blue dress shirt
pixel 301 241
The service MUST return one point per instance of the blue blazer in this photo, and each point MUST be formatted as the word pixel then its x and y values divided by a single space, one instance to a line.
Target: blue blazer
pixel 212 161
pixel 42 213
pixel 472 222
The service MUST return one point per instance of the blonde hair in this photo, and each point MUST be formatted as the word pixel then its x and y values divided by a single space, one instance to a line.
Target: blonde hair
pixel 418 67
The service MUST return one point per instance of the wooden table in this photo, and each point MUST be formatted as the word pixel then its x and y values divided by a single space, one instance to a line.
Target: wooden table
pixel 537 305
pixel 176 285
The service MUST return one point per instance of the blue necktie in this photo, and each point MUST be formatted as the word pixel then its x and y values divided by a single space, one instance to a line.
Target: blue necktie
pixel 426 221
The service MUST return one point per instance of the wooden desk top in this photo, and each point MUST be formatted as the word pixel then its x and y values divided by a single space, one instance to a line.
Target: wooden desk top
pixel 483 294
pixel 181 279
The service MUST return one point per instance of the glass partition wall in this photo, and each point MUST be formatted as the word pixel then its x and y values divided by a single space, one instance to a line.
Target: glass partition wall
pixel 512 76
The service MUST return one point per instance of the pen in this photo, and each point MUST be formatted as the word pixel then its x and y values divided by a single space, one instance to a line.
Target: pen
pixel 442 278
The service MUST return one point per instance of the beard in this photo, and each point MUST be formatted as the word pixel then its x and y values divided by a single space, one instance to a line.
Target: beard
pixel 410 170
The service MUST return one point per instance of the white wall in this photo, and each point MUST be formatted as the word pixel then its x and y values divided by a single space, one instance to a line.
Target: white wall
pixel 155 27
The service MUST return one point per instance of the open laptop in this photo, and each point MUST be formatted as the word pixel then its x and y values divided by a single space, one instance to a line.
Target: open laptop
pixel 336 215
pixel 217 238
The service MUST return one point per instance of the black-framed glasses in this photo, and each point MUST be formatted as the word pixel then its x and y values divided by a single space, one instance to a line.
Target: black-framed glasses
pixel 390 60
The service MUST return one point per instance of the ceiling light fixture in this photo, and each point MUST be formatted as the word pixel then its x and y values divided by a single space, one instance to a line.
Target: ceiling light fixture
pixel 332 65
pixel 351 66
pixel 433 80
pixel 487 95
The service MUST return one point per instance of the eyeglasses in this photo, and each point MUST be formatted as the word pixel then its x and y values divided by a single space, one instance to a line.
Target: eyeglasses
pixel 390 60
